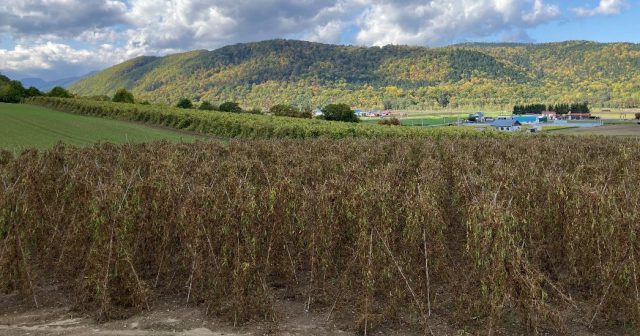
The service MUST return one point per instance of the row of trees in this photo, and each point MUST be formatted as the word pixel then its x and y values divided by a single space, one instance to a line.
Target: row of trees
pixel 334 112
pixel 285 110
pixel 558 108
pixel 12 91
pixel 232 107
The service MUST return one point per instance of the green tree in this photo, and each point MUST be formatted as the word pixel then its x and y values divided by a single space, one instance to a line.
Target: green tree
pixel 12 91
pixel 339 112
pixel 123 96
pixel 59 92
pixel 206 106
pixel 32 92
pixel 443 99
pixel 184 103
pixel 285 110
pixel 230 107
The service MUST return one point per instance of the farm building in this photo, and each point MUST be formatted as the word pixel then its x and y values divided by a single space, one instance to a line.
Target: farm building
pixel 477 117
pixel 527 119
pixel 507 125
pixel 550 115
pixel 579 116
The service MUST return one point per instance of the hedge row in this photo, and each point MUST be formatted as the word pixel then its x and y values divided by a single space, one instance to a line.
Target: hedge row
pixel 235 125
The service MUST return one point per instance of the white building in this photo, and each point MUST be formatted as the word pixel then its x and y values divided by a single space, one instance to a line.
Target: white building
pixel 507 125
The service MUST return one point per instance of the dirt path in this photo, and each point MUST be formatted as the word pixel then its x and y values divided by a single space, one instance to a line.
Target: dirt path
pixel 166 320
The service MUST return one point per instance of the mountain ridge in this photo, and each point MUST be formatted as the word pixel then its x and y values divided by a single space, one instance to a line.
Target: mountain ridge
pixel 44 85
pixel 260 74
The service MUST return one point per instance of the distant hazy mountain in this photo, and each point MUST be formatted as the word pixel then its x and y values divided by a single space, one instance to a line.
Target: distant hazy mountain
pixel 43 85
pixel 312 74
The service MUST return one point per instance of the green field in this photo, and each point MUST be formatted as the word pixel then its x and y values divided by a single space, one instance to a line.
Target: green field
pixel 27 126
pixel 418 121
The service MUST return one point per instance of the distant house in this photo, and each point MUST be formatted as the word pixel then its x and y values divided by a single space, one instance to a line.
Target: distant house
pixel 507 125
pixel 550 115
pixel 317 112
pixel 373 113
pixel 477 117
pixel 579 116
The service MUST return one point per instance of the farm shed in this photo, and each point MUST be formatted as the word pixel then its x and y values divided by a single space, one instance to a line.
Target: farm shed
pixel 507 125
pixel 527 119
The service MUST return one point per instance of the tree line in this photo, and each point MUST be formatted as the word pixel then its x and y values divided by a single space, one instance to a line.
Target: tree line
pixel 12 91
pixel 333 112
pixel 557 108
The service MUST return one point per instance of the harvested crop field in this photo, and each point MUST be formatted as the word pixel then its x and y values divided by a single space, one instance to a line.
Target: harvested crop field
pixel 627 130
pixel 488 236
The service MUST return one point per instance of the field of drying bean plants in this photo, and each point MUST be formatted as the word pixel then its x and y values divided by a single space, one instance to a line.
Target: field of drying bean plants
pixel 493 236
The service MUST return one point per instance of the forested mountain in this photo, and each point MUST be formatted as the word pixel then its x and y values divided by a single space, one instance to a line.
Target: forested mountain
pixel 312 74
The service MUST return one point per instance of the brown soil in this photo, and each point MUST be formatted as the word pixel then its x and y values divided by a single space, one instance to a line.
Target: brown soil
pixel 56 317
pixel 169 318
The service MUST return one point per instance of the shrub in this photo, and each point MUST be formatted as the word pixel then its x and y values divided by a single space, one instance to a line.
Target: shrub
pixel 230 107
pixel 390 122
pixel 255 110
pixel 206 106
pixel 123 96
pixel 339 112
pixel 285 110
pixel 32 92
pixel 184 103
pixel 59 92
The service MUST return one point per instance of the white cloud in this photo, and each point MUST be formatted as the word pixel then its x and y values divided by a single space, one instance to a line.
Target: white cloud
pixel 65 18
pixel 439 22
pixel 517 36
pixel 329 33
pixel 54 60
pixel 192 24
pixel 75 35
pixel 100 36
pixel 606 7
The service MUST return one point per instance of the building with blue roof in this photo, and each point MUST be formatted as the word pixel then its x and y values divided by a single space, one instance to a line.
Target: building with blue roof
pixel 527 119
pixel 507 125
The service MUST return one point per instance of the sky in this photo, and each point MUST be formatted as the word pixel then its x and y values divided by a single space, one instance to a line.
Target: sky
pixel 54 39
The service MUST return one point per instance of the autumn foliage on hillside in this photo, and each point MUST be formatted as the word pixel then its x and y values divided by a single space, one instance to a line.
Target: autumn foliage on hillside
pixel 309 75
